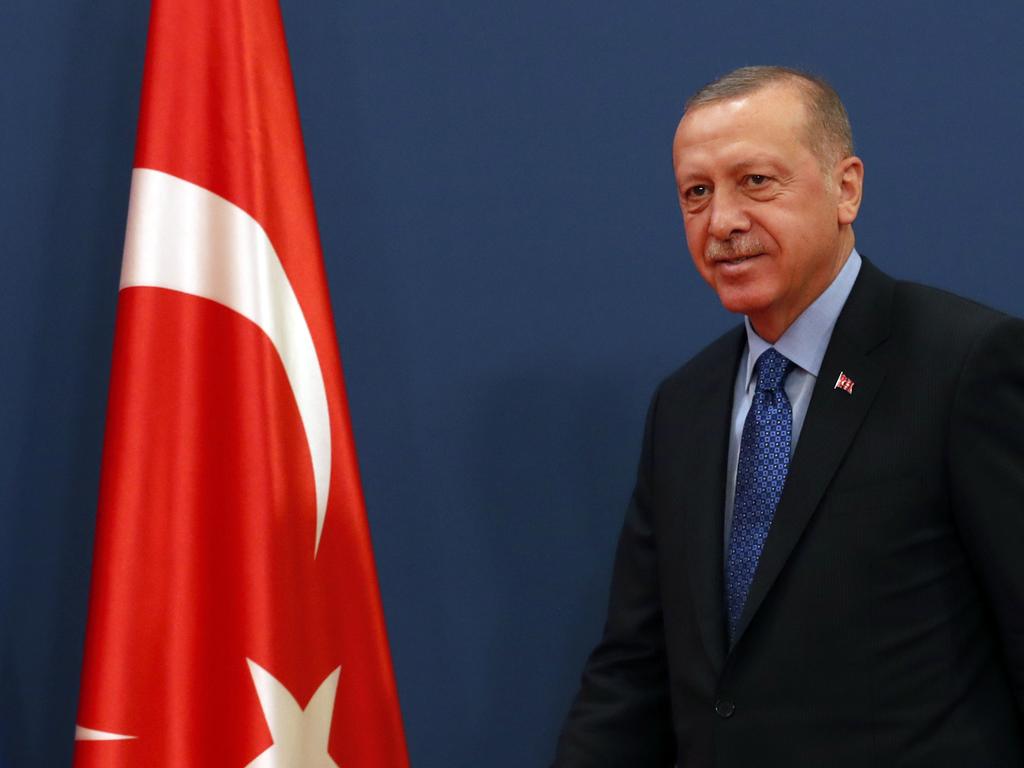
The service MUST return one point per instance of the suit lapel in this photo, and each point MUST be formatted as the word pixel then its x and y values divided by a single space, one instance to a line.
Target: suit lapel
pixel 833 418
pixel 700 490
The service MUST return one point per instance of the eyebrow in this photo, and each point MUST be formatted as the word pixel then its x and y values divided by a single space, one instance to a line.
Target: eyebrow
pixel 758 161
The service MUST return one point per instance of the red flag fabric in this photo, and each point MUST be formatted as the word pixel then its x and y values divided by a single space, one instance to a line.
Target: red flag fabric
pixel 234 617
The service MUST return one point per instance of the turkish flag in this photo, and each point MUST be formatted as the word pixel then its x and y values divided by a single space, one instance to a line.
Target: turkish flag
pixel 234 617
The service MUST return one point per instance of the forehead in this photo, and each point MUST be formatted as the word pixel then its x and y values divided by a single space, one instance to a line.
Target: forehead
pixel 769 123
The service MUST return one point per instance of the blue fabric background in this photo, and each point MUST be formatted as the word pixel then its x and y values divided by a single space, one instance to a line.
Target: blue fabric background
pixel 510 281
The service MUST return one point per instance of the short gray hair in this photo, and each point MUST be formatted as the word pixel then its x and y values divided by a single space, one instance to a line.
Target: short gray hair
pixel 829 135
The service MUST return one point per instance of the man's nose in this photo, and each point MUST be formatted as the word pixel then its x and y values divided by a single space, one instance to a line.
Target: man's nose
pixel 728 216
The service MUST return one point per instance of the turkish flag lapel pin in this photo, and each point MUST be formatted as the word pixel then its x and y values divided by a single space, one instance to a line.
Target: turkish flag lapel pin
pixel 844 383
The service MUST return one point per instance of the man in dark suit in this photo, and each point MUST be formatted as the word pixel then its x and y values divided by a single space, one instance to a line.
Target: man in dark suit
pixel 822 564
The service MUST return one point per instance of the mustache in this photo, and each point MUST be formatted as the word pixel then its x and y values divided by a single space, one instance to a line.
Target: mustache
pixel 733 248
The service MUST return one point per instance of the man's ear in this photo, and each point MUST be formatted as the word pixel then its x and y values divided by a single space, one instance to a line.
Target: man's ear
pixel 849 176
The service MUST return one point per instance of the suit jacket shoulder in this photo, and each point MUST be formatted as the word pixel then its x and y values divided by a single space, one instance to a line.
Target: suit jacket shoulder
pixel 941 323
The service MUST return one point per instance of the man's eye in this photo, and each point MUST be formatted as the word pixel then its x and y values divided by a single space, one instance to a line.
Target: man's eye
pixel 757 179
pixel 698 191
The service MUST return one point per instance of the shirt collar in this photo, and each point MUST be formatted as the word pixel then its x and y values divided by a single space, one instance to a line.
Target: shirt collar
pixel 806 340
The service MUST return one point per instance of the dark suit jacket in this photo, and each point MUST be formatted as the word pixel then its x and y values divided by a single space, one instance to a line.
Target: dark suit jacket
pixel 885 623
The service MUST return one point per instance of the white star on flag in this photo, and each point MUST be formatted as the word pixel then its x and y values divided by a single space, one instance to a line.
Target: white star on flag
pixel 300 735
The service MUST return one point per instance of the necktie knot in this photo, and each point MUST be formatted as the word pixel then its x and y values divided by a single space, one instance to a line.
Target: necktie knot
pixel 771 368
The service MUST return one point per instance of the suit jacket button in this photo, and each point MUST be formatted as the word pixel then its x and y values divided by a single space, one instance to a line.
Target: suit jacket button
pixel 724 708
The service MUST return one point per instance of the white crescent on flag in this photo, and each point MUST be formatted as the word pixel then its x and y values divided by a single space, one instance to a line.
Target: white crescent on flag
pixel 185 238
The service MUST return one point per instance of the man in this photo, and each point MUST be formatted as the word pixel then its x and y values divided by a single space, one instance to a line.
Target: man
pixel 822 564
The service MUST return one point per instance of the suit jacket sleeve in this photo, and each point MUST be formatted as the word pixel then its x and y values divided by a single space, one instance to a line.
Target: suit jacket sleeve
pixel 986 461
pixel 621 715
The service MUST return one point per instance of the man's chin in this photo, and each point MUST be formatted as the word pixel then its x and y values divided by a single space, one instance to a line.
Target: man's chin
pixel 743 302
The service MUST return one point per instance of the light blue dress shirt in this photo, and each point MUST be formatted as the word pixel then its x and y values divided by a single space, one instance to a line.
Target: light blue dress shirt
pixel 804 342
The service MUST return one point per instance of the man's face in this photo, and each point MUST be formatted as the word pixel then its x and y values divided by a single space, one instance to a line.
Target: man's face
pixel 765 227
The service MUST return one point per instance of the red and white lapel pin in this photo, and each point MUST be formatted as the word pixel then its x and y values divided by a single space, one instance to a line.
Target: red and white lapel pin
pixel 844 383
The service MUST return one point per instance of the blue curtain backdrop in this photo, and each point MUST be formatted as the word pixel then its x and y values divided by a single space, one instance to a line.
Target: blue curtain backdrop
pixel 510 281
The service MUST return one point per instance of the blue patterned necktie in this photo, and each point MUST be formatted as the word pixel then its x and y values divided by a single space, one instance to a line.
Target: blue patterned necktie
pixel 760 475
